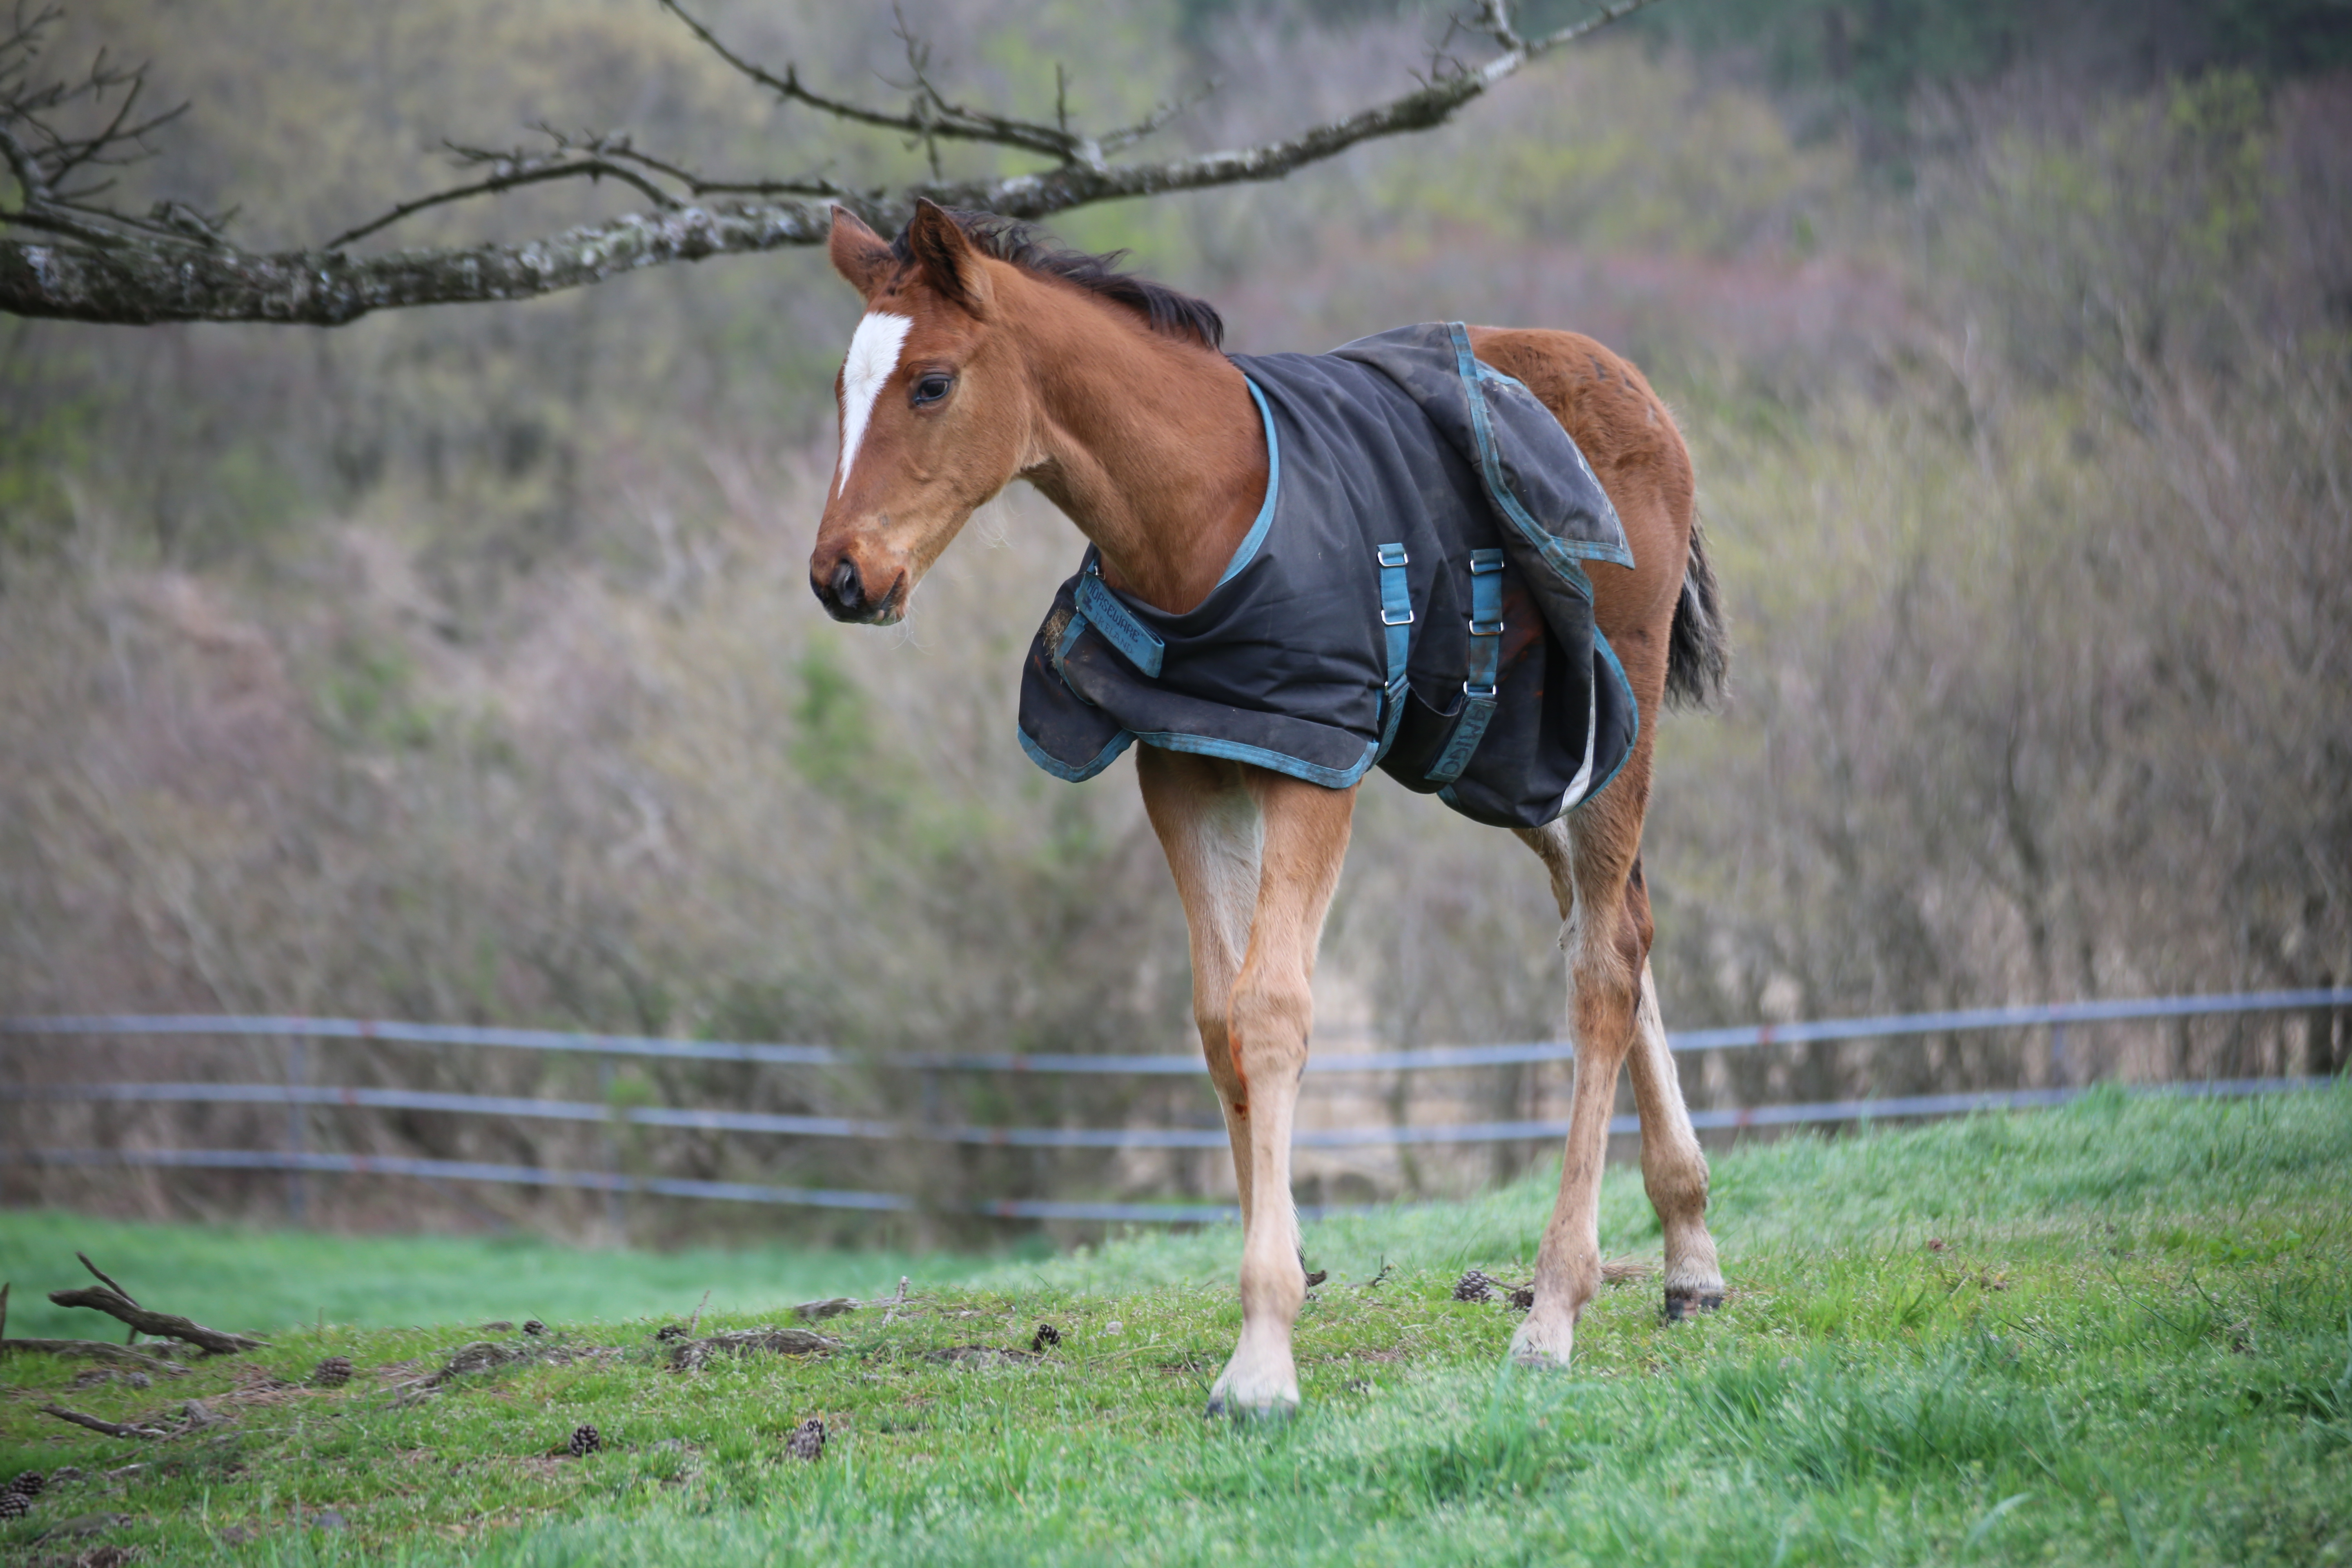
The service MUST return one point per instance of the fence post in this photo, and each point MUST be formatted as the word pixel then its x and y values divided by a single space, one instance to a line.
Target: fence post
pixel 297 1074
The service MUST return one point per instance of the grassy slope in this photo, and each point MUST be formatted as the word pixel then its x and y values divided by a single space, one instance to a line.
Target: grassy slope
pixel 2132 1345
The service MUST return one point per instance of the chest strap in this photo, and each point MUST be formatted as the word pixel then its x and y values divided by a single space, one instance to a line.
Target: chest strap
pixel 1486 663
pixel 1117 625
pixel 1396 618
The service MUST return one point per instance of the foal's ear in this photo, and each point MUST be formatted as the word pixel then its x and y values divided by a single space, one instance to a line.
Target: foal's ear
pixel 950 261
pixel 861 256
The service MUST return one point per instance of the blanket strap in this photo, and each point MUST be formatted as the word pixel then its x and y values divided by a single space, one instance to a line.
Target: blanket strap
pixel 1396 617
pixel 1097 604
pixel 1486 664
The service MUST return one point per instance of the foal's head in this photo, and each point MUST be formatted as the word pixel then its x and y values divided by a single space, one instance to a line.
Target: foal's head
pixel 937 410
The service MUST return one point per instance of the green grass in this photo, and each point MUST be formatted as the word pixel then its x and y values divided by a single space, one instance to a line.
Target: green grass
pixel 2132 1344
pixel 267 1280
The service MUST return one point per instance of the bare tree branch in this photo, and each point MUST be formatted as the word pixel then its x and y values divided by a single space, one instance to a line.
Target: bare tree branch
pixel 176 264
pixel 590 157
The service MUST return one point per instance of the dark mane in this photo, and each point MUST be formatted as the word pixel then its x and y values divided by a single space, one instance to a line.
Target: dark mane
pixel 1007 239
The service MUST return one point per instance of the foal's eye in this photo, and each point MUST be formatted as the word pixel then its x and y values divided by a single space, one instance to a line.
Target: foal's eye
pixel 931 389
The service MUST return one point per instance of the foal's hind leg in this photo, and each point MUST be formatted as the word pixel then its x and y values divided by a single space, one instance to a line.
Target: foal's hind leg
pixel 1591 855
pixel 1673 1169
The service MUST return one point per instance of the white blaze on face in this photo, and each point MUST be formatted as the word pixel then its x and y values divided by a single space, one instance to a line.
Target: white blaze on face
pixel 872 355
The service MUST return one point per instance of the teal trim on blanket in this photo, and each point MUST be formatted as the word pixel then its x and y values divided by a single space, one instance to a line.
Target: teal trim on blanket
pixel 1562 555
pixel 1274 762
pixel 1631 706
pixel 1247 550
pixel 1062 771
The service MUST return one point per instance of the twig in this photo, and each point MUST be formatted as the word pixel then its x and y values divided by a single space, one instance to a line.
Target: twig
pixel 112 1428
pixel 162 1325
pixel 132 1337
pixel 3 1312
pixel 525 170
pixel 692 1322
pixel 98 1348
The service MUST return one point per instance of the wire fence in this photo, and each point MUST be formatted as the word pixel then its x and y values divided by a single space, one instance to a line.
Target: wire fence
pixel 295 1094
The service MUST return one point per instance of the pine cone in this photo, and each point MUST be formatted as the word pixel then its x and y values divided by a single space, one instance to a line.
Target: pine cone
pixel 533 1326
pixel 669 1332
pixel 585 1440
pixel 332 1372
pixel 1047 1337
pixel 807 1440
pixel 29 1484
pixel 15 1505
pixel 1473 1286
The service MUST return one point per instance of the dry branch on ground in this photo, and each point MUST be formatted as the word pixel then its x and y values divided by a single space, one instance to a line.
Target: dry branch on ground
pixel 98 1349
pixel 162 1325
pixel 769 1340
pixel 110 1428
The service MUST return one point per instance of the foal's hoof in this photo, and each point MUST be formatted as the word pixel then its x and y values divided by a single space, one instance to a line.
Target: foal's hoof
pixel 1222 1409
pixel 1253 1401
pixel 1681 1304
pixel 1545 1343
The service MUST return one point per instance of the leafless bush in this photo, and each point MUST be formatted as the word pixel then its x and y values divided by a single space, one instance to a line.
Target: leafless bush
pixel 460 668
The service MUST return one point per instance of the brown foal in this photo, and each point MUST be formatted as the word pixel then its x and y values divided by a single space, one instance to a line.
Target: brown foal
pixel 981 360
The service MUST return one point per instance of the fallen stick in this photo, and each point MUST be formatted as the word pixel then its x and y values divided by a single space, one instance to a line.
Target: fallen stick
pixel 107 1280
pixel 112 1428
pixel 98 1348
pixel 111 1282
pixel 162 1325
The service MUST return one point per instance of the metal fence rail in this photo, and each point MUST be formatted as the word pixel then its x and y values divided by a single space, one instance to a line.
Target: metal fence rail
pixel 1930 1105
pixel 295 1095
pixel 1435 1057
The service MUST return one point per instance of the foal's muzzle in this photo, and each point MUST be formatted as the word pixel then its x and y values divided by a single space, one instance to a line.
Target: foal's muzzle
pixel 846 596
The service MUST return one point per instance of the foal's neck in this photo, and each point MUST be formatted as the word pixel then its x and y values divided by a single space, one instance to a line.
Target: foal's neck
pixel 1153 447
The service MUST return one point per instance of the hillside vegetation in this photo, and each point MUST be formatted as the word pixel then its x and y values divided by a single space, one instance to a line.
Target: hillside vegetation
pixel 2118 1332
pixel 461 664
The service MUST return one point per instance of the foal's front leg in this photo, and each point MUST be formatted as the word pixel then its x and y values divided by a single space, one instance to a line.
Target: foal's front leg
pixel 1211 831
pixel 1302 838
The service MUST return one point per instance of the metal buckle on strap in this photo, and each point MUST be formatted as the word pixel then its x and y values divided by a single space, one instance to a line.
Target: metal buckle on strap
pixel 1393 555
pixel 1478 693
pixel 1484 561
pixel 1486 628
pixel 1396 617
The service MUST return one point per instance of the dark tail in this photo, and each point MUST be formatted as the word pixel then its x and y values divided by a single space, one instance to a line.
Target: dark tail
pixel 1698 652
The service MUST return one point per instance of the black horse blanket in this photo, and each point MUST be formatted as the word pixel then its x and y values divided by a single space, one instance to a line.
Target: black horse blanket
pixel 1412 593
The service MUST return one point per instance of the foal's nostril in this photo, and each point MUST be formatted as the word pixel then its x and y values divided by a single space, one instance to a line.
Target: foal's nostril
pixel 848 591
